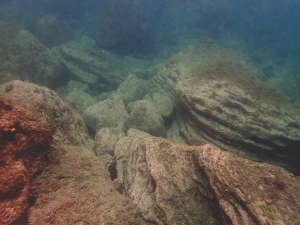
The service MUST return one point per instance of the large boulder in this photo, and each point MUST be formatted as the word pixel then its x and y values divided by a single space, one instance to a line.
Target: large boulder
pixel 162 102
pixel 132 89
pixel 178 184
pixel 144 116
pixel 24 57
pixel 70 127
pixel 108 113
pixel 25 140
pixel 220 101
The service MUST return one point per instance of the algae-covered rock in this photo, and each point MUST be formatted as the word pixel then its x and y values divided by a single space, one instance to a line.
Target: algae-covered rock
pixel 105 141
pixel 75 187
pixel 108 113
pixel 80 100
pixel 24 57
pixel 132 89
pixel 25 141
pixel 143 116
pixel 163 103
pixel 220 101
pixel 69 126
pixel 179 184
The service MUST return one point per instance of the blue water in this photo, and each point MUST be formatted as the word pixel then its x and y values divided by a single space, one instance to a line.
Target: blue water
pixel 268 31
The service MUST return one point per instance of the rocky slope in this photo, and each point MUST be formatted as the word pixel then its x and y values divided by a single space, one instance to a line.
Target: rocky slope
pixel 24 142
pixel 219 100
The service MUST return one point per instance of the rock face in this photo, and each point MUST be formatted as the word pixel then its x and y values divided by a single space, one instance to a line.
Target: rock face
pixel 220 101
pixel 70 128
pixel 178 184
pixel 24 142
pixel 23 57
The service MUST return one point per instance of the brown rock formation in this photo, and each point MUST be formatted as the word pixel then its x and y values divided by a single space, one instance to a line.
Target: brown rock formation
pixel 220 101
pixel 75 188
pixel 24 142
pixel 178 184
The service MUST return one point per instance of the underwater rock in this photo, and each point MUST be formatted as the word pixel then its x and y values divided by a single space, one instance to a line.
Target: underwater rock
pixel 219 101
pixel 69 126
pixel 105 141
pixel 98 68
pixel 179 184
pixel 163 103
pixel 23 57
pixel 132 89
pixel 77 95
pixel 51 30
pixel 80 100
pixel 173 132
pixel 108 113
pixel 75 187
pixel 143 116
pixel 24 142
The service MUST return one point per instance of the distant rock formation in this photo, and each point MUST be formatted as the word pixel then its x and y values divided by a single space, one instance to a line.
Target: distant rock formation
pixel 100 69
pixel 24 142
pixel 220 101
pixel 24 57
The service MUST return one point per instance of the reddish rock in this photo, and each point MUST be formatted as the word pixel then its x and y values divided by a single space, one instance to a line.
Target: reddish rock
pixel 24 142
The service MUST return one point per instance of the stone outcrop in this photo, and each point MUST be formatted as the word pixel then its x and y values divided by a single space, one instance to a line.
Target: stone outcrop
pixel 179 184
pixel 220 101
pixel 24 57
pixel 24 142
